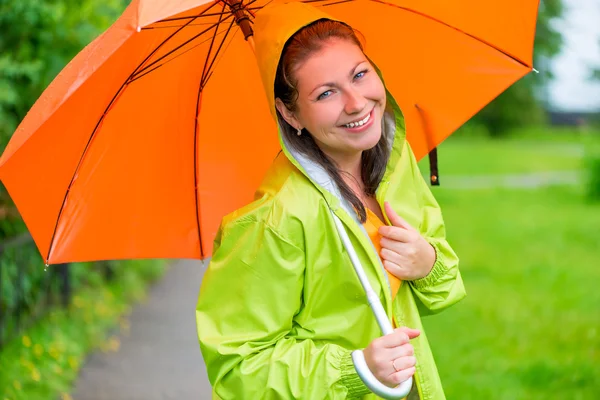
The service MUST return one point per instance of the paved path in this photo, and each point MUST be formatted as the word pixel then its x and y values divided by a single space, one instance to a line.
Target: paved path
pixel 521 181
pixel 160 357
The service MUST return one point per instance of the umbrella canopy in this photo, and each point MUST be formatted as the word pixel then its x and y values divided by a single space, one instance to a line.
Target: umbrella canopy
pixel 160 126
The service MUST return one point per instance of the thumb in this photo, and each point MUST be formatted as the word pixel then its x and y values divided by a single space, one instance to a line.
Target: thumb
pixel 395 219
pixel 412 333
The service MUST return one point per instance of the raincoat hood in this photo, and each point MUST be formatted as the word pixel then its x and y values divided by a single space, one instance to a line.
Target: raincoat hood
pixel 273 27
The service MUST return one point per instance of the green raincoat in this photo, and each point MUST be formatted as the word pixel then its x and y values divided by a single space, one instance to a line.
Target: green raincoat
pixel 280 308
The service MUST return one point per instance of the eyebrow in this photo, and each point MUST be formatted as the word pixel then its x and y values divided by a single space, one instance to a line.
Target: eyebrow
pixel 331 83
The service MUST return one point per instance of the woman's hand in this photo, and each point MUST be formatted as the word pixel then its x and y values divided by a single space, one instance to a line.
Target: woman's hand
pixel 391 357
pixel 405 253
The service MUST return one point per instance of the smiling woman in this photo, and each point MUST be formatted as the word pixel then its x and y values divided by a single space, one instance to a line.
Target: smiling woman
pixel 281 313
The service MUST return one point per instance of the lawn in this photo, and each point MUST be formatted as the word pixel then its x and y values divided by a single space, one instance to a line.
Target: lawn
pixel 523 152
pixel 530 259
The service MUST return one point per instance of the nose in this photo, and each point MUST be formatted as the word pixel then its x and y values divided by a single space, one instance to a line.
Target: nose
pixel 355 102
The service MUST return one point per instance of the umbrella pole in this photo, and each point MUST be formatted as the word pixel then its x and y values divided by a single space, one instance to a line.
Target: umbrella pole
pixel 242 19
pixel 385 325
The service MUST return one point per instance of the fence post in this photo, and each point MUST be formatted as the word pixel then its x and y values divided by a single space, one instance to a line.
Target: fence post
pixel 19 309
pixel 65 292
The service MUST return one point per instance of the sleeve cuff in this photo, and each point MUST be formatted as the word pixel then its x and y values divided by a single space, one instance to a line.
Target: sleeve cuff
pixel 350 379
pixel 439 269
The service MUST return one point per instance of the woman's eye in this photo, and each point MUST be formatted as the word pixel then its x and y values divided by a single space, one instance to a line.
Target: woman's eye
pixel 324 95
pixel 360 74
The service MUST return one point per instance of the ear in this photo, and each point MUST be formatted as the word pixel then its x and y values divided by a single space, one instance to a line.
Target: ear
pixel 287 115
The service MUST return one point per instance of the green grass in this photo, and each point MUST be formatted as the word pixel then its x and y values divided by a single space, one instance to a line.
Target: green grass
pixel 524 151
pixel 44 362
pixel 530 325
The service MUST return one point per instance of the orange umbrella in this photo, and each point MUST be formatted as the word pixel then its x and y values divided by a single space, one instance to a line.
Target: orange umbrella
pixel 160 126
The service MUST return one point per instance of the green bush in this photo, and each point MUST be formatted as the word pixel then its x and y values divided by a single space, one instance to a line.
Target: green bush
pixel 592 162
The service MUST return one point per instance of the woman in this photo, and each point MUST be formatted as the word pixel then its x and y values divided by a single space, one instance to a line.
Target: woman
pixel 280 308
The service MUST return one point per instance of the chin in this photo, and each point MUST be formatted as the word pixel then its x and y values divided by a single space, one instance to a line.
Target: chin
pixel 370 140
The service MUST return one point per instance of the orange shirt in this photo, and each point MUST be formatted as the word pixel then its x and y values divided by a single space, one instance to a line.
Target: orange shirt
pixel 372 226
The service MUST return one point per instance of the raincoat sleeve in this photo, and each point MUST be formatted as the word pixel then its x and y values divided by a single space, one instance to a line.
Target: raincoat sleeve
pixel 443 286
pixel 245 315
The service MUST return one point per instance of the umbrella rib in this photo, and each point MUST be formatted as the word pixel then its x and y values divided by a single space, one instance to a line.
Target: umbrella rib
pixel 153 63
pixel 190 17
pixel 214 59
pixel 139 76
pixel 212 42
pixel 201 15
pixel 100 120
pixel 197 113
pixel 455 28
pixel 174 26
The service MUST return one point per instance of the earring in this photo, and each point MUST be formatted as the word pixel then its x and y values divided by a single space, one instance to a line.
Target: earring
pixel 299 131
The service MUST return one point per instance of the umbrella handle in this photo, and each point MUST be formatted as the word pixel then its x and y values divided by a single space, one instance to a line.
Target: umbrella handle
pixel 385 325
pixel 370 381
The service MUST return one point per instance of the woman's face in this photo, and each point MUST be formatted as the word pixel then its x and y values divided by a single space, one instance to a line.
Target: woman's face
pixel 341 100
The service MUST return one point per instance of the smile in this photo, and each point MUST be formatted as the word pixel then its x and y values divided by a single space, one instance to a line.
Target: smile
pixel 359 122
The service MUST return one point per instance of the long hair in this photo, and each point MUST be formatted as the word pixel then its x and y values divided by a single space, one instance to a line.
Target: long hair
pixel 298 48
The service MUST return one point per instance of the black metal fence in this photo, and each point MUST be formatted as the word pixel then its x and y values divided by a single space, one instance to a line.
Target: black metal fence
pixel 28 291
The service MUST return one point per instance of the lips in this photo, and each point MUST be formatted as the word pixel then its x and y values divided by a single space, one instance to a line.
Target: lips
pixel 359 122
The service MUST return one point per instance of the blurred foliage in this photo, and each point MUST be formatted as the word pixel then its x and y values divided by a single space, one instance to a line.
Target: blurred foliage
pixel 44 361
pixel 520 104
pixel 592 163
pixel 28 291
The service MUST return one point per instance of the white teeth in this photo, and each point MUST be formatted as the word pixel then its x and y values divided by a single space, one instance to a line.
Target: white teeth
pixel 359 123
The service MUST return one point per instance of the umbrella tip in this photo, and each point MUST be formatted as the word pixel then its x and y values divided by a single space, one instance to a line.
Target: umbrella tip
pixel 535 70
pixel 139 29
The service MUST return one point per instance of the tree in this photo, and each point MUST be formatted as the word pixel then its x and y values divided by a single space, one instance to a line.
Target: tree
pixel 519 104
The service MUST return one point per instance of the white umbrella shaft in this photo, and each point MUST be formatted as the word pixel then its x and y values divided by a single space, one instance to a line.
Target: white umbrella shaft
pixel 358 358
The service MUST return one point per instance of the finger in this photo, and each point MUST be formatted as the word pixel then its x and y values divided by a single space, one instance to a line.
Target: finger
pixel 396 233
pixel 392 256
pixel 402 363
pixel 401 248
pixel 406 350
pixel 399 337
pixel 394 269
pixel 398 377
pixel 395 339
pixel 412 333
pixel 395 219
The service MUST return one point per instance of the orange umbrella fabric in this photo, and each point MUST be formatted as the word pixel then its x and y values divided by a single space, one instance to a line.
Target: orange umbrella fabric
pixel 160 126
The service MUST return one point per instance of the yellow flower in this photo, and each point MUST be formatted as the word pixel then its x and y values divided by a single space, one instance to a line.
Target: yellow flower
pixel 54 352
pixel 73 362
pixel 38 350
pixel 35 375
pixel 17 385
pixel 114 343
pixel 26 341
pixel 65 396
pixel 78 301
